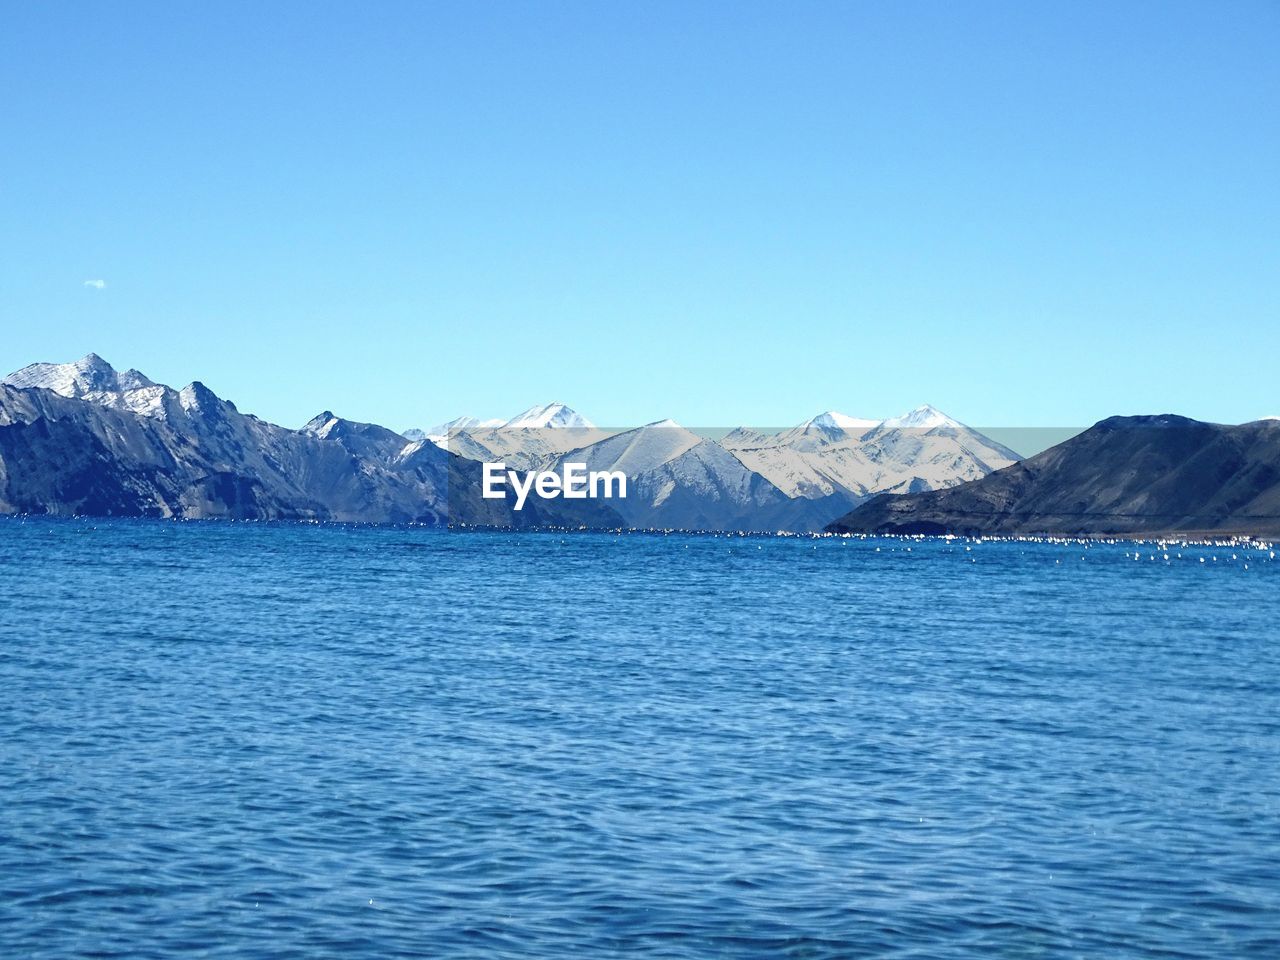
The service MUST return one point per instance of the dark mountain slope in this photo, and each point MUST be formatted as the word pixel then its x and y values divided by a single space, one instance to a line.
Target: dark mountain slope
pixel 201 459
pixel 461 481
pixel 361 439
pixel 1125 475
pixel 193 455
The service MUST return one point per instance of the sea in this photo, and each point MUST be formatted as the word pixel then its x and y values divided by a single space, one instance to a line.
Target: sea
pixel 287 740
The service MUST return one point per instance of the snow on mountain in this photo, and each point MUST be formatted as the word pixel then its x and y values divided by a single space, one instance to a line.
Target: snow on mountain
pixel 553 416
pixel 478 439
pixel 94 380
pixel 88 375
pixel 458 424
pixel 362 439
pixel 547 416
pixel 921 418
pixel 527 441
pixel 677 479
pixel 321 425
pixel 826 428
pixel 638 450
pixel 831 420
pixel 749 480
pixel 744 437
pixel 812 473
pixel 833 453
pixel 816 459
pixel 456 428
pixel 930 450
pixel 191 454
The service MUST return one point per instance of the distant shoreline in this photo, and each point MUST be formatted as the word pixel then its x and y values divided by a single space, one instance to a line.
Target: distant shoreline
pixel 1197 538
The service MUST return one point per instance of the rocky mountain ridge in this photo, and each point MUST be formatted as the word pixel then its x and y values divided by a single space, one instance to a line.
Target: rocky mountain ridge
pixel 85 438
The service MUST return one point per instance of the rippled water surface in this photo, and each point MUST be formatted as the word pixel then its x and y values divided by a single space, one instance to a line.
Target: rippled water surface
pixel 301 741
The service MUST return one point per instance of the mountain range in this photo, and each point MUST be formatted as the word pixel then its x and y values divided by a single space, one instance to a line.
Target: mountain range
pixel 1143 475
pixel 84 438
pixel 81 438
pixel 923 450
pixel 795 479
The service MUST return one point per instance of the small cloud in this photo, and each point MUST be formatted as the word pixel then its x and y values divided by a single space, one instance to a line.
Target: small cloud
pixel 96 284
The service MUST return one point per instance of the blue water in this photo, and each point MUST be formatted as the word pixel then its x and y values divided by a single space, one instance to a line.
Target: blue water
pixel 260 740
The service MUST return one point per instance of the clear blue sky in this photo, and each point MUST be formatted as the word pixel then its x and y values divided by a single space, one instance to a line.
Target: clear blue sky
pixel 1022 213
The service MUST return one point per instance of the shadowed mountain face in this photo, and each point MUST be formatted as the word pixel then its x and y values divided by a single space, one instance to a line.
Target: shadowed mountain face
pixel 83 438
pixel 94 442
pixel 201 459
pixel 1124 476
pixel 679 480
pixel 359 439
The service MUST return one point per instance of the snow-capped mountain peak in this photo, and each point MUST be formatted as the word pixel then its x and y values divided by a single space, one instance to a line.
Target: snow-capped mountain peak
pixel 93 379
pixel 456 425
pixel 321 424
pixel 832 420
pixel 88 375
pixel 195 397
pixel 921 418
pixel 549 416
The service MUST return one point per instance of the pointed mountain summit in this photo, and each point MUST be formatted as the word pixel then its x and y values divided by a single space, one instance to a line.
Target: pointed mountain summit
pixel 835 454
pixel 642 449
pixel 191 453
pixel 195 397
pixel 923 417
pixel 458 424
pixel 441 432
pixel 930 450
pixel 319 424
pixel 831 420
pixel 95 380
pixel 554 416
pixel 744 437
pixel 361 439
pixel 826 428
pixel 530 439
pixel 88 375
